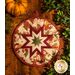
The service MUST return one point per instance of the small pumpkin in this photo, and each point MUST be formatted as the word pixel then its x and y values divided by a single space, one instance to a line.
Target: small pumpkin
pixel 20 7
pixel 16 7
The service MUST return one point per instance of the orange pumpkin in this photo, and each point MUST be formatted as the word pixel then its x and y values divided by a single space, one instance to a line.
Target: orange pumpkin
pixel 16 7
pixel 20 7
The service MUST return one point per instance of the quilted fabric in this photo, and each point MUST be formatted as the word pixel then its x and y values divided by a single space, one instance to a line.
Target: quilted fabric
pixel 36 41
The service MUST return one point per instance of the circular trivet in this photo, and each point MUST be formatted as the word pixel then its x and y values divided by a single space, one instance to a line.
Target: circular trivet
pixel 35 41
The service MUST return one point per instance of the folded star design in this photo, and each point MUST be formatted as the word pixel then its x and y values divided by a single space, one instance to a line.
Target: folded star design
pixel 36 40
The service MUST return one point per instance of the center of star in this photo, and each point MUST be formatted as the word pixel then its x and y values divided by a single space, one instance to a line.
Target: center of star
pixel 36 41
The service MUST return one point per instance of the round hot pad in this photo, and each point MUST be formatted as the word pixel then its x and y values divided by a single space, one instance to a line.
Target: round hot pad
pixel 35 41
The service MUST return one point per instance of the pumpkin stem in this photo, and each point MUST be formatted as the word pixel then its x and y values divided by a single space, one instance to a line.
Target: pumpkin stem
pixel 18 1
